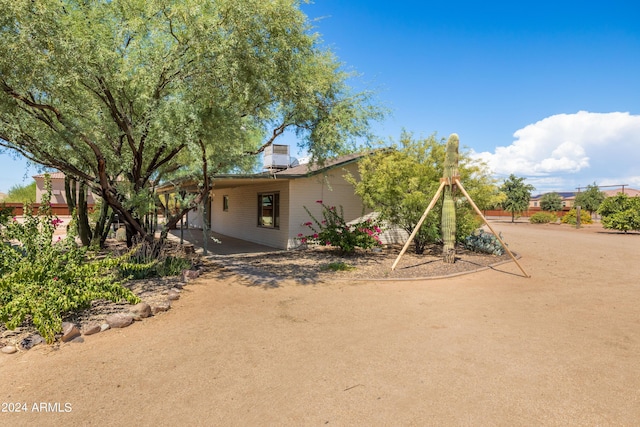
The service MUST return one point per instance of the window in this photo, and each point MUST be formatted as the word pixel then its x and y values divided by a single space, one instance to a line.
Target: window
pixel 225 203
pixel 269 210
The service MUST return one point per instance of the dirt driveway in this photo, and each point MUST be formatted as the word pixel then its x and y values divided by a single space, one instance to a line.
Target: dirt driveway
pixel 491 348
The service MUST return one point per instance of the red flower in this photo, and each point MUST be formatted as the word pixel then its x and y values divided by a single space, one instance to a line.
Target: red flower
pixel 319 201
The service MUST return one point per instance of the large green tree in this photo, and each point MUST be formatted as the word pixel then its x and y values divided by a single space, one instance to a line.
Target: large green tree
pixel 518 195
pixel 400 181
pixel 121 93
pixel 590 199
pixel 551 202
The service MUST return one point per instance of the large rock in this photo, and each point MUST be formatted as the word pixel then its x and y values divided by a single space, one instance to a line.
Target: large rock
pixel 9 349
pixel 141 309
pixel 92 328
pixel 161 306
pixel 190 275
pixel 30 341
pixel 172 295
pixel 119 320
pixel 69 331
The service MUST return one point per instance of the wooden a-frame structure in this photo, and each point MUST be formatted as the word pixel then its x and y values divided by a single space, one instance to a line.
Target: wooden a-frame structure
pixel 456 181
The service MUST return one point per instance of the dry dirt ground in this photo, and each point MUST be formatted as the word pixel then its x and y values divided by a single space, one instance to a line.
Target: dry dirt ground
pixel 488 348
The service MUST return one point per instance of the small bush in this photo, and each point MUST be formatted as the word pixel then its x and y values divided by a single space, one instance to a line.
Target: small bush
pixel 150 259
pixel 543 218
pixel 571 217
pixel 338 266
pixel 481 241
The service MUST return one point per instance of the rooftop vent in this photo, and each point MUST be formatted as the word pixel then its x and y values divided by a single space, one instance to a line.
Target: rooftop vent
pixel 276 157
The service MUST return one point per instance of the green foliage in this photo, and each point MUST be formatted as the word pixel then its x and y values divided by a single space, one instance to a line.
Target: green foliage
pixel 21 194
pixel 518 195
pixel 125 94
pixel 590 199
pixel 551 202
pixel 481 241
pixel 338 266
pixel 621 212
pixel 150 259
pixel 41 281
pixel 334 231
pixel 400 182
pixel 571 217
pixel 6 212
pixel 543 218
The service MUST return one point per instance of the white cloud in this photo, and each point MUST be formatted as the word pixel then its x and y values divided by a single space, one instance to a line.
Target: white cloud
pixel 573 149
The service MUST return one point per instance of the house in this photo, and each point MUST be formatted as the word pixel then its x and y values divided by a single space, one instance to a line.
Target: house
pixel 269 208
pixel 58 195
pixel 569 197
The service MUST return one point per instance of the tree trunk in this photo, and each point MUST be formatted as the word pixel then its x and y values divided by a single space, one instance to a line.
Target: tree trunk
pixel 84 229
pixel 101 230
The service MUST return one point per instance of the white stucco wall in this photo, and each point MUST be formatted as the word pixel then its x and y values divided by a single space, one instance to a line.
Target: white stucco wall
pixel 330 188
pixel 241 220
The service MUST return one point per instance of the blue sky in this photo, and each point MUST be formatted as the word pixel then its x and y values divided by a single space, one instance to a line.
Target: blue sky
pixel 548 90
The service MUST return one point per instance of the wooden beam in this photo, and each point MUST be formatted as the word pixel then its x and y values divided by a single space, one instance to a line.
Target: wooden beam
pixel 417 227
pixel 490 228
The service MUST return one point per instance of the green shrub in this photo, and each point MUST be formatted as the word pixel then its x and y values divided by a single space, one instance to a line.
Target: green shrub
pixel 571 217
pixel 41 281
pixel 621 212
pixel 150 259
pixel 543 218
pixel 481 241
pixel 337 266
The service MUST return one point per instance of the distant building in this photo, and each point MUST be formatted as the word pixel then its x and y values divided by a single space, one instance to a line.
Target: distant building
pixel 569 197
pixel 58 194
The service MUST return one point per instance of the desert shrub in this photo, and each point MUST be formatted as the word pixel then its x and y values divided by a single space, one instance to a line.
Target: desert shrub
pixel 333 230
pixel 41 280
pixel 543 218
pixel 481 241
pixel 621 212
pixel 337 266
pixel 467 222
pixel 6 212
pixel 151 259
pixel 571 217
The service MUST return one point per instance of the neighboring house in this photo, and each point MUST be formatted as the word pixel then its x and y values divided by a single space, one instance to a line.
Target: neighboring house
pixel 269 208
pixel 569 197
pixel 58 195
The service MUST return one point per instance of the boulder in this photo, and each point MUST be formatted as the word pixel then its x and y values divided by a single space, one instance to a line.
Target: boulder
pixel 161 306
pixel 190 275
pixel 141 309
pixel 8 349
pixel 119 320
pixel 30 341
pixel 69 331
pixel 91 329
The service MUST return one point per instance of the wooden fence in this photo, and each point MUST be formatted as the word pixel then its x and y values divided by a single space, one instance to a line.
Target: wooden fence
pixel 60 209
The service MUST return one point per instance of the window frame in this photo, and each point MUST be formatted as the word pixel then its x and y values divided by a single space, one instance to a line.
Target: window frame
pixel 275 210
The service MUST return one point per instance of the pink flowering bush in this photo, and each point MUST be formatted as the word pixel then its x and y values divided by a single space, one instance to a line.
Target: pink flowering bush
pixel 333 230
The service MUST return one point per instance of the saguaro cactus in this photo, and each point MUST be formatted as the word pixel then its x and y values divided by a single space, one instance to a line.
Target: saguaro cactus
pixel 448 224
